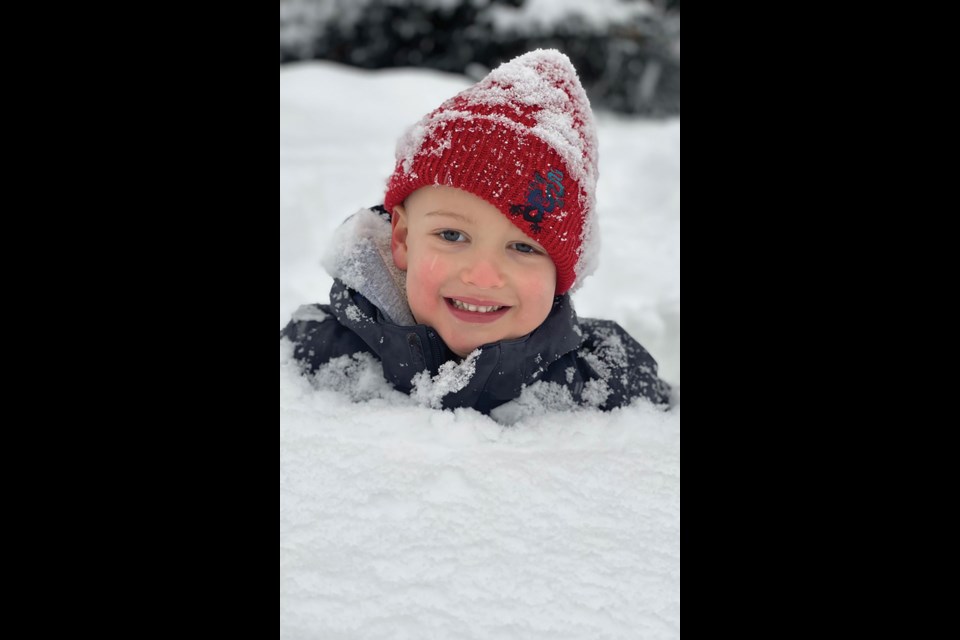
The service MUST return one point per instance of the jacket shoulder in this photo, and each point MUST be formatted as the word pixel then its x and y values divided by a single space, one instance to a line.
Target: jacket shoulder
pixel 318 337
pixel 623 369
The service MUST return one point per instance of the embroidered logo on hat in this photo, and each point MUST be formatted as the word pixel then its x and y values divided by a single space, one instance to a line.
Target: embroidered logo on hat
pixel 540 200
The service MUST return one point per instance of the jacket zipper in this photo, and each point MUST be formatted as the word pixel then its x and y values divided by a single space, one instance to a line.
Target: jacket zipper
pixel 435 350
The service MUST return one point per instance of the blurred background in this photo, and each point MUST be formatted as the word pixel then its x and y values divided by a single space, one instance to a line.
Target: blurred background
pixel 627 52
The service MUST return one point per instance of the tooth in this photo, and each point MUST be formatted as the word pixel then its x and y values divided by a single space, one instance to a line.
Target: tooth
pixel 474 308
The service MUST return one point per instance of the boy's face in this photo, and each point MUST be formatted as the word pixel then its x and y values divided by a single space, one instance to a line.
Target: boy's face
pixel 462 257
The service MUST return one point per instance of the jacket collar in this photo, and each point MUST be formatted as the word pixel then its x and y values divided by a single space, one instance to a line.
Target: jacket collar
pixel 360 256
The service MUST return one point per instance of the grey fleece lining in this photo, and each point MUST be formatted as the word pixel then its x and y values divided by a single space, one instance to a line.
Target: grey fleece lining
pixel 360 256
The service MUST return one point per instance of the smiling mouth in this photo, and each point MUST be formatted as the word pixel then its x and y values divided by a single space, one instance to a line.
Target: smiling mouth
pixel 481 313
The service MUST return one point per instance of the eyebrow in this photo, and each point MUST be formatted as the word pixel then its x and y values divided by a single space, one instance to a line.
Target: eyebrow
pixel 451 214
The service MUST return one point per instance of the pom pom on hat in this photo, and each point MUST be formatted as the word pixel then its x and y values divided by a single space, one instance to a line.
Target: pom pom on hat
pixel 524 140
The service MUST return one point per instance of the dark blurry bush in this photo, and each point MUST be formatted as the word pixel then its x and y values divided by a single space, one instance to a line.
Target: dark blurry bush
pixel 626 51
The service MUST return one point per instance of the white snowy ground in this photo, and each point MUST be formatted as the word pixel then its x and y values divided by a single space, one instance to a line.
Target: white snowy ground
pixel 398 521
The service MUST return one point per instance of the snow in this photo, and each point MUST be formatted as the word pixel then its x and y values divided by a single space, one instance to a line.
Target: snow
pixel 402 521
pixel 309 313
pixel 452 377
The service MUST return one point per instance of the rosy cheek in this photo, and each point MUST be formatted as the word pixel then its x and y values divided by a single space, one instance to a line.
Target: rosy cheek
pixel 423 280
pixel 424 275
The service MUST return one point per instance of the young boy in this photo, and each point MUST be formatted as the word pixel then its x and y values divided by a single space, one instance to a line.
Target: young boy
pixel 487 226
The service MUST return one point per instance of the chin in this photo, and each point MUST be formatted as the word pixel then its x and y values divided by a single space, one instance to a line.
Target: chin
pixel 464 349
pixel 463 352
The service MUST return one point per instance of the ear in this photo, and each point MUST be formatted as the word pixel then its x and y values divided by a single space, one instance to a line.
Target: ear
pixel 398 242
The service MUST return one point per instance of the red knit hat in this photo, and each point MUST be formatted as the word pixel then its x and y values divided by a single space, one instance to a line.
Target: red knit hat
pixel 524 140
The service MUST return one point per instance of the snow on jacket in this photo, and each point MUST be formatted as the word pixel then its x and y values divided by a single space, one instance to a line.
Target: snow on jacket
pixel 566 362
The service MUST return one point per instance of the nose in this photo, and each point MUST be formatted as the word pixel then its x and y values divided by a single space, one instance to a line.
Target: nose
pixel 484 272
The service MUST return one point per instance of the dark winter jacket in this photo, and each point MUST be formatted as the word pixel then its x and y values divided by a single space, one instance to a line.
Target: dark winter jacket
pixel 595 361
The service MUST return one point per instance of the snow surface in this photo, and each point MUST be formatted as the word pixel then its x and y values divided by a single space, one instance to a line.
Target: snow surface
pixel 401 521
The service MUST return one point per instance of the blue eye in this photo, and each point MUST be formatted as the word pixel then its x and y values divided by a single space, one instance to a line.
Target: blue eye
pixel 452 236
pixel 524 248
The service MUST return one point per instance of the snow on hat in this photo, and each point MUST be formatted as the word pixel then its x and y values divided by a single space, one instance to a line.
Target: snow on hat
pixel 524 140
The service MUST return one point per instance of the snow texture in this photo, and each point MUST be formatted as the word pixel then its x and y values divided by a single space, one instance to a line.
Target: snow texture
pixel 401 521
pixel 398 521
pixel 309 313
pixel 453 377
